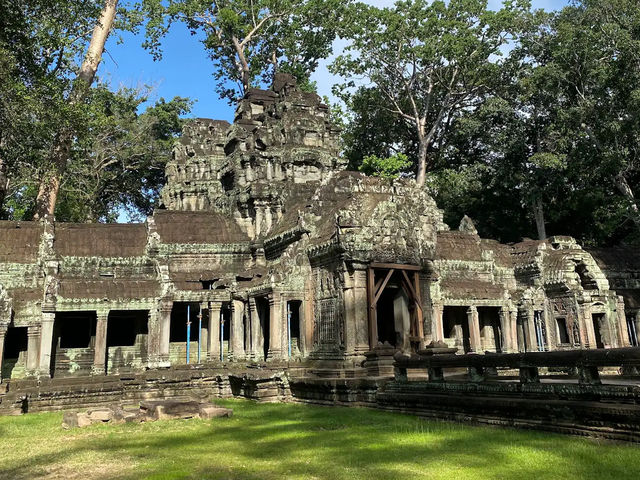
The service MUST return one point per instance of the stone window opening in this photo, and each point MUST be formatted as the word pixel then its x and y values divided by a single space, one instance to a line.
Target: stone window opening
pixel 562 331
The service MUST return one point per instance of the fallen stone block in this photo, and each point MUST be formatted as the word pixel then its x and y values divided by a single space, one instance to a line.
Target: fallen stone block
pixel 122 415
pixel 211 411
pixel 169 409
pixel 100 415
pixel 75 420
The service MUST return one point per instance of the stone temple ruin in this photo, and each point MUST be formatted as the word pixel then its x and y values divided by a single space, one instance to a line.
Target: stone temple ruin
pixel 265 249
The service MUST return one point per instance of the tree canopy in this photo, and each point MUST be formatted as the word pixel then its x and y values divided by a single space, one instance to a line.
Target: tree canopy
pixel 528 121
pixel 249 40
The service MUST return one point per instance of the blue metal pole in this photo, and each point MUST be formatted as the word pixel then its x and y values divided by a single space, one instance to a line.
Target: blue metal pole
pixel 289 326
pixel 188 332
pixel 200 335
pixel 221 336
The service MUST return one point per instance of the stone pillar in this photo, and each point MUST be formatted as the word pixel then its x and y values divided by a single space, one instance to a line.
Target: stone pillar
pixel 164 333
pixel 350 313
pixel 3 333
pixel 275 327
pixel 247 333
pixel 530 319
pixel 257 341
pixel 623 332
pixel 437 325
pixel 213 342
pixel 100 349
pixel 474 329
pixel 360 311
pixel 46 343
pixel 33 348
pixel 588 326
pixel 513 330
pixel 236 334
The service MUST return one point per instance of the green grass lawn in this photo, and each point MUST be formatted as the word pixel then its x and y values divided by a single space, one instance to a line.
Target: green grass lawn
pixel 273 441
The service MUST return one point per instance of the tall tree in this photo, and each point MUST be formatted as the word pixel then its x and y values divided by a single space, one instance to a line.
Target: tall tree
pixel 59 156
pixel 39 43
pixel 248 40
pixel 430 61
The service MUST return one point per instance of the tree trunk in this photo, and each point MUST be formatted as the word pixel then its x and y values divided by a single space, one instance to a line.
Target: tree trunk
pixel 59 156
pixel 538 213
pixel 624 188
pixel 244 65
pixel 4 181
pixel 422 162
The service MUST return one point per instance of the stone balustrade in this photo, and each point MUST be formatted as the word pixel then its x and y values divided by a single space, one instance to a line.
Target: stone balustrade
pixel 583 364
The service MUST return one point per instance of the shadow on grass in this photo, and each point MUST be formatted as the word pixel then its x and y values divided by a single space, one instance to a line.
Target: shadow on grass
pixel 269 441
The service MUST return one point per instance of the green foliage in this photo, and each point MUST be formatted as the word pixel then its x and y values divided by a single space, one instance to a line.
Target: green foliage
pixel 554 124
pixel 390 167
pixel 429 62
pixel 119 157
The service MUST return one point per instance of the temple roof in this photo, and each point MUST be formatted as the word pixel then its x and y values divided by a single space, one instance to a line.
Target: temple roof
pixel 100 240
pixel 19 241
pixel 197 228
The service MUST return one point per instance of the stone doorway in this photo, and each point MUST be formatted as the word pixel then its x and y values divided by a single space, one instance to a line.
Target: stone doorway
pixel 490 329
pixel 14 361
pixel 455 322
pixel 294 319
pixel 264 317
pixel 73 348
pixel 599 329
pixel 395 306
pixel 127 335
pixel 181 313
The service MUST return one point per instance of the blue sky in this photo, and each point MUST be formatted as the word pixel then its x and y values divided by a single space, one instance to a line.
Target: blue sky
pixel 185 70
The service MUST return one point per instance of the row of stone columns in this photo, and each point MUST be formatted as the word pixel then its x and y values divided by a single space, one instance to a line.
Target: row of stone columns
pixel 508 325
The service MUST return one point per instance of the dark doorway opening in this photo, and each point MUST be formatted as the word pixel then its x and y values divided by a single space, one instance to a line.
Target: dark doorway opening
pixel 125 327
pixel 385 317
pixel 563 331
pixel 490 329
pixel 598 327
pixel 395 306
pixel 127 333
pixel 178 332
pixel 262 307
pixel 15 352
pixel 455 323
pixel 73 343
pixel 294 311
